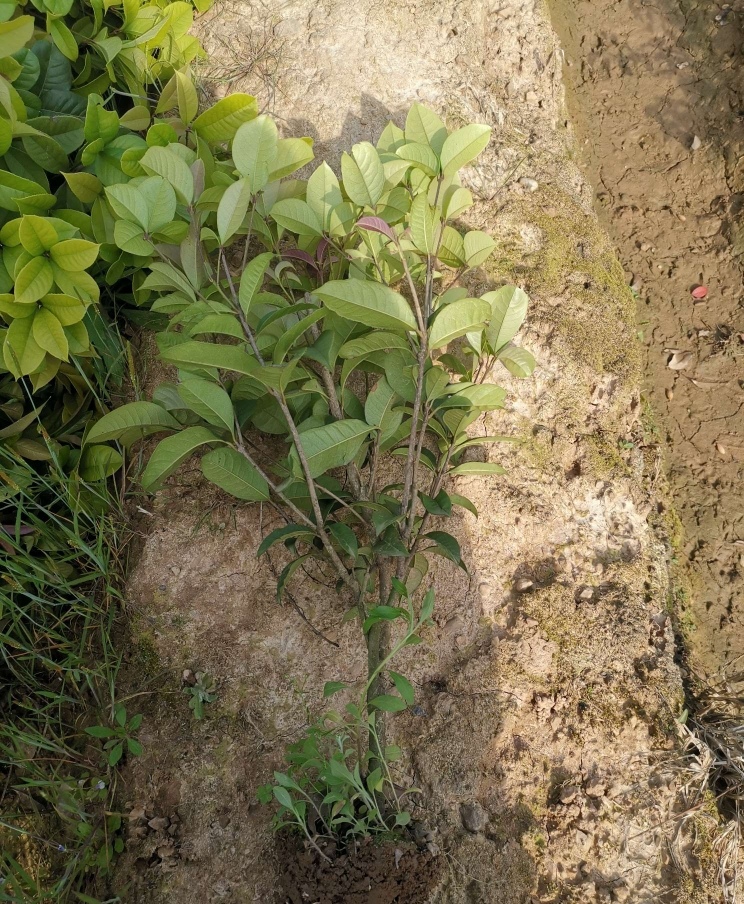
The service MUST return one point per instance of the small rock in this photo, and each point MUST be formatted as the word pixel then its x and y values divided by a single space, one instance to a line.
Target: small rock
pixel 474 817
pixel 680 360
pixel 587 593
pixel 696 143
pixel 595 787
pixel 159 823
pixel 669 393
pixel 523 585
pixel 529 184
pixel 568 794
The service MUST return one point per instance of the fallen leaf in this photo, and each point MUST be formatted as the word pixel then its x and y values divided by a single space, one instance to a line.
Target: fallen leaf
pixel 680 360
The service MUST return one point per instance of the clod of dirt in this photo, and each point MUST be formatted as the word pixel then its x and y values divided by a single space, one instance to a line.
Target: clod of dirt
pixel 474 817
pixel 388 873
pixel 529 184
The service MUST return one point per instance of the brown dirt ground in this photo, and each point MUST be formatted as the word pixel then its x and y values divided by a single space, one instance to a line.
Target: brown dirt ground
pixel 645 78
pixel 550 713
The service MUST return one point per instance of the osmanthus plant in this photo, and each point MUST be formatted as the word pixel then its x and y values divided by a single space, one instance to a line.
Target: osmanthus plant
pixel 327 314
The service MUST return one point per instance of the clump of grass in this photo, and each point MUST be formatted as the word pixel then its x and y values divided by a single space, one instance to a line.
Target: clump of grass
pixel 713 758
pixel 61 548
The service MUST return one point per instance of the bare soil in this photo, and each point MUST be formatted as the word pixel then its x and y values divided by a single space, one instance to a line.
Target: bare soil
pixel 544 731
pixel 388 873
pixel 646 79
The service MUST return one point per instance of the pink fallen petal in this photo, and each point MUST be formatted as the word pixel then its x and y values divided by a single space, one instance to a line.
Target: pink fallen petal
pixel 700 292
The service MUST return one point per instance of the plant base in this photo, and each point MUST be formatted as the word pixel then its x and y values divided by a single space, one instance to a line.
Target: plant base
pixel 386 873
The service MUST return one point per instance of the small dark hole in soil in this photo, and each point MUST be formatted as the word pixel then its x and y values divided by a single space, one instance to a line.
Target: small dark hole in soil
pixel 389 872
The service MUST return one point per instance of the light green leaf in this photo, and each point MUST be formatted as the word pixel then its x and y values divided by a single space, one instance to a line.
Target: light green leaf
pixel 404 687
pixel 425 127
pixel 209 401
pixel 159 161
pixel 188 100
pixel 452 248
pixel 134 418
pixel 207 354
pixel 363 175
pixel 37 234
pixel 517 361
pixel 421 156
pixel 254 148
pixel 424 225
pixel 478 247
pixel 230 471
pixel 33 281
pixel 388 703
pixel 85 186
pixel 49 334
pixel 221 121
pixel 171 452
pixel 379 403
pixel 370 303
pixel 463 146
pixel 298 217
pixel 323 193
pixel 63 38
pixel 291 154
pixel 392 138
pixel 456 201
pixel 232 209
pixel 14 35
pixel 473 468
pixel 129 203
pixel 330 446
pixel 485 396
pixel 252 278
pixel 161 203
pixel 456 319
pixel 66 309
pixel 288 339
pixel 508 310
pixel 74 255
pixel 373 342
pixel 21 352
pixel 131 238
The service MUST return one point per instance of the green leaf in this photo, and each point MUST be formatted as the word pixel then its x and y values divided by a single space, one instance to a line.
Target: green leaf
pixel 221 121
pixel 136 417
pixel 252 278
pixel 63 38
pixel 75 254
pixel 14 35
pixel 50 335
pixel 116 753
pixel 323 194
pixel 230 471
pixel 463 502
pixel 517 361
pixel 331 446
pixel 287 573
pixel 288 339
pixel 370 303
pixel 333 687
pixel 456 319
pixel 37 234
pixel 232 209
pixel 34 281
pixel 472 468
pixel 421 155
pixel 99 463
pixel 345 537
pixel 188 99
pixel 129 203
pixel 424 225
pixel 98 731
pixel 441 505
pixel 131 238
pixel 21 352
pixel 388 703
pixel 463 146
pixel 446 545
pixel 207 354
pixel 85 186
pixel 288 532
pixel 373 342
pixel 363 175
pixel 171 452
pixel 508 310
pixel 425 127
pixel 291 154
pixel 158 161
pixel 478 247
pixel 298 217
pixel 404 687
pixel 486 396
pixel 379 403
pixel 254 148
pixel 209 401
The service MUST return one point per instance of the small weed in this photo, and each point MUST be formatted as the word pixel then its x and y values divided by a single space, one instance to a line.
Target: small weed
pixel 204 690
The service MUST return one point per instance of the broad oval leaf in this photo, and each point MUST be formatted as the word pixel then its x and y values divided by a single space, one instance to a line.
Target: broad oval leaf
pixel 34 281
pixel 456 319
pixel 363 175
pixel 323 193
pixel 221 121
pixel 74 254
pixel 297 216
pixel 50 335
pixel 230 471
pixel 171 452
pixel 209 401
pixel 478 247
pixel 425 127
pixel 254 149
pixel 232 209
pixel 463 146
pixel 517 361
pixel 508 310
pixel 331 446
pixel 370 303
pixel 136 417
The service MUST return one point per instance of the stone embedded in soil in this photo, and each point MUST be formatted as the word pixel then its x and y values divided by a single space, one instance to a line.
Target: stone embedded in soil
pixel 474 818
